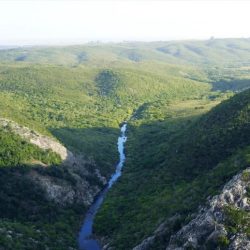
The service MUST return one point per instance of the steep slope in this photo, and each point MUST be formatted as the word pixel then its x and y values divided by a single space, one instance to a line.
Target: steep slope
pixel 223 224
pixel 47 105
pixel 42 201
pixel 75 97
pixel 173 169
pixel 82 107
pixel 41 141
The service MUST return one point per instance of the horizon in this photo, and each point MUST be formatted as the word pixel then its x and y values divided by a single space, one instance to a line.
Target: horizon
pixel 97 42
pixel 27 23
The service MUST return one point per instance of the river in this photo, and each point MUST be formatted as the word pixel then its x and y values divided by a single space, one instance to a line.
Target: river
pixel 86 240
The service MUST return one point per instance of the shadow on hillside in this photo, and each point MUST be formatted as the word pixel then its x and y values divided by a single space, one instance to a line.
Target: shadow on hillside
pixel 19 196
pixel 171 170
pixel 190 146
pixel 236 85
pixel 97 144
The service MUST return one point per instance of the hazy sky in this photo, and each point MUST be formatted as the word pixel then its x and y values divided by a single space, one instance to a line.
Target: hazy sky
pixel 41 22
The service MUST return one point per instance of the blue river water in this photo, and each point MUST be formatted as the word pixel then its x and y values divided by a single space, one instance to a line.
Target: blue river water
pixel 85 240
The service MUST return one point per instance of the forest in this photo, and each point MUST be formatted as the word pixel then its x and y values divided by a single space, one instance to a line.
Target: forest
pixel 187 108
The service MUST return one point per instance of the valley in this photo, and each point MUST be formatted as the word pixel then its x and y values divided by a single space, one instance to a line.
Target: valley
pixel 86 240
pixel 186 106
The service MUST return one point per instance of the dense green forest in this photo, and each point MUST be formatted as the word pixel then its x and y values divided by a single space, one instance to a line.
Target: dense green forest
pixel 187 133
pixel 73 103
pixel 28 219
pixel 171 171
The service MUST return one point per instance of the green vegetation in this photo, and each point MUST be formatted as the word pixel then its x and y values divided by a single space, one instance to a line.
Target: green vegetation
pixel 28 219
pixel 28 235
pixel 211 52
pixel 180 162
pixel 222 243
pixel 182 147
pixel 237 220
pixel 245 176
pixel 15 151
pixel 76 106
pixel 107 82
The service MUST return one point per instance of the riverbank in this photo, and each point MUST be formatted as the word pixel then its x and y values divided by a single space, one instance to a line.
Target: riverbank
pixel 86 240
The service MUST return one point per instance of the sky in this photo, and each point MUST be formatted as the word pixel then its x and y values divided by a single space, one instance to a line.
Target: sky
pixel 69 22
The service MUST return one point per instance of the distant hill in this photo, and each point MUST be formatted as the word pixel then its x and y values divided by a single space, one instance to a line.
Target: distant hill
pixel 6 47
pixel 187 107
pixel 216 51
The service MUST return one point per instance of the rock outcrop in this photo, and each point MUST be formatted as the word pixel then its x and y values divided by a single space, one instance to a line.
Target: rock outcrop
pixel 42 141
pixel 60 190
pixel 209 226
pixel 163 229
pixel 64 193
pixel 209 229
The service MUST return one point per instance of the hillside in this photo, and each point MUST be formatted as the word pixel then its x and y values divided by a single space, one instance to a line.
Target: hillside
pixel 174 171
pixel 73 105
pixel 60 113
pixel 214 51
pixel 24 202
pixel 224 223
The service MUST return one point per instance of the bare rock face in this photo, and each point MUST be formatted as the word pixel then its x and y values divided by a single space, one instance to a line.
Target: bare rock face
pixel 159 234
pixel 145 244
pixel 59 190
pixel 42 141
pixel 240 242
pixel 64 193
pixel 208 226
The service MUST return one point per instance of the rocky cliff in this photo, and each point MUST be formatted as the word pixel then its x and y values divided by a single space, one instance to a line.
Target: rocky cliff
pixel 223 224
pixel 85 178
pixel 42 141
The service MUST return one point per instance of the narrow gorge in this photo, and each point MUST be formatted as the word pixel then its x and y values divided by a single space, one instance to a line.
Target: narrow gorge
pixel 86 239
